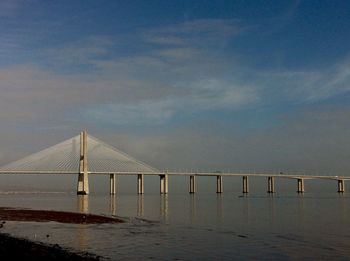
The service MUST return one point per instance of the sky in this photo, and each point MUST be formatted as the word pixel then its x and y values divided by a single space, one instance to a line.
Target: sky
pixel 206 85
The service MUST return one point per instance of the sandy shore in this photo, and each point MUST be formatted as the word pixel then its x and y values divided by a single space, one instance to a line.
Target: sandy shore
pixel 12 248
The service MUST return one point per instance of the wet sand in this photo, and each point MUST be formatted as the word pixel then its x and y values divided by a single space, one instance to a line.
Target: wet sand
pixel 12 248
pixel 16 214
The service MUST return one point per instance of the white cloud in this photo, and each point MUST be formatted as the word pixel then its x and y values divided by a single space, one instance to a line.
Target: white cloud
pixel 141 113
pixel 180 74
pixel 78 53
pixel 307 86
pixel 206 95
pixel 215 93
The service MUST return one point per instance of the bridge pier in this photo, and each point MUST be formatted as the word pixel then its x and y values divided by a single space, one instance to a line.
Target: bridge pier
pixel 164 181
pixel 83 204
pixel 341 186
pixel 140 205
pixel 301 188
pixel 140 184
pixel 83 184
pixel 245 184
pixel 192 184
pixel 83 179
pixel 112 184
pixel 219 186
pixel 270 185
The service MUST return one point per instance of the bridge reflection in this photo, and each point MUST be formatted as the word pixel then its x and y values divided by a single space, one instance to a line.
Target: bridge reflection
pixel 113 205
pixel 140 205
pixel 164 208
pixel 82 237
pixel 83 204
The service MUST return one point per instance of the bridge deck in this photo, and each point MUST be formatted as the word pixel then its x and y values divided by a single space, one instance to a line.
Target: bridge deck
pixel 213 174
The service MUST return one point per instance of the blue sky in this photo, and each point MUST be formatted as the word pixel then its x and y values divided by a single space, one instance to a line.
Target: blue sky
pixel 261 85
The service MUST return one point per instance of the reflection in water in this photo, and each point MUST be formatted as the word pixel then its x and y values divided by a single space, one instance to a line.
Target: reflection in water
pixel 164 215
pixel 246 207
pixel 272 210
pixel 83 204
pixel 219 206
pixel 113 205
pixel 343 209
pixel 202 226
pixel 82 237
pixel 193 208
pixel 140 202
pixel 301 208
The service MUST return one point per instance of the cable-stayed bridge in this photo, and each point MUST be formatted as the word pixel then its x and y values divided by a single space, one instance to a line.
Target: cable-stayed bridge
pixel 84 155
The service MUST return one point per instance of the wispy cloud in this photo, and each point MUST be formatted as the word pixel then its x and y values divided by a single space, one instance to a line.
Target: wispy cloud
pixel 155 75
pixel 199 33
pixel 309 86
pixel 10 8
pixel 185 71
pixel 204 96
pixel 78 53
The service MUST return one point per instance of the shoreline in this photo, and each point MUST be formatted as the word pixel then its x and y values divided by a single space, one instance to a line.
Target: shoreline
pixel 20 214
pixel 13 248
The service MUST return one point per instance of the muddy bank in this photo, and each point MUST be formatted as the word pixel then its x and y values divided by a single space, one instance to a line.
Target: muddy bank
pixel 12 248
pixel 15 214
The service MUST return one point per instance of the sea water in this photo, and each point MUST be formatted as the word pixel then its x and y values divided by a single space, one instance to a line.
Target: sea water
pixel 205 225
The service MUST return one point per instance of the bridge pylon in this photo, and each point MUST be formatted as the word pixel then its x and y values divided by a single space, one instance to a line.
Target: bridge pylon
pixel 83 179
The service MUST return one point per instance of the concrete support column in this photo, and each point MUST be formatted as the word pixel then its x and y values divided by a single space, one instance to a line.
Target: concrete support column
pixel 301 187
pixel 140 185
pixel 83 180
pixel 140 205
pixel 162 181
pixel 219 187
pixel 164 184
pixel 245 184
pixel 83 204
pixel 112 184
pixel 192 184
pixel 270 185
pixel 341 185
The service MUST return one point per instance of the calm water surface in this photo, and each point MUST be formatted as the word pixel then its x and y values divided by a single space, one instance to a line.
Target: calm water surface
pixel 205 226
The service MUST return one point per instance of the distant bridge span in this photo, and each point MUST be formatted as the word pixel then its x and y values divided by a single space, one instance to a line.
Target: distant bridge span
pixel 83 155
